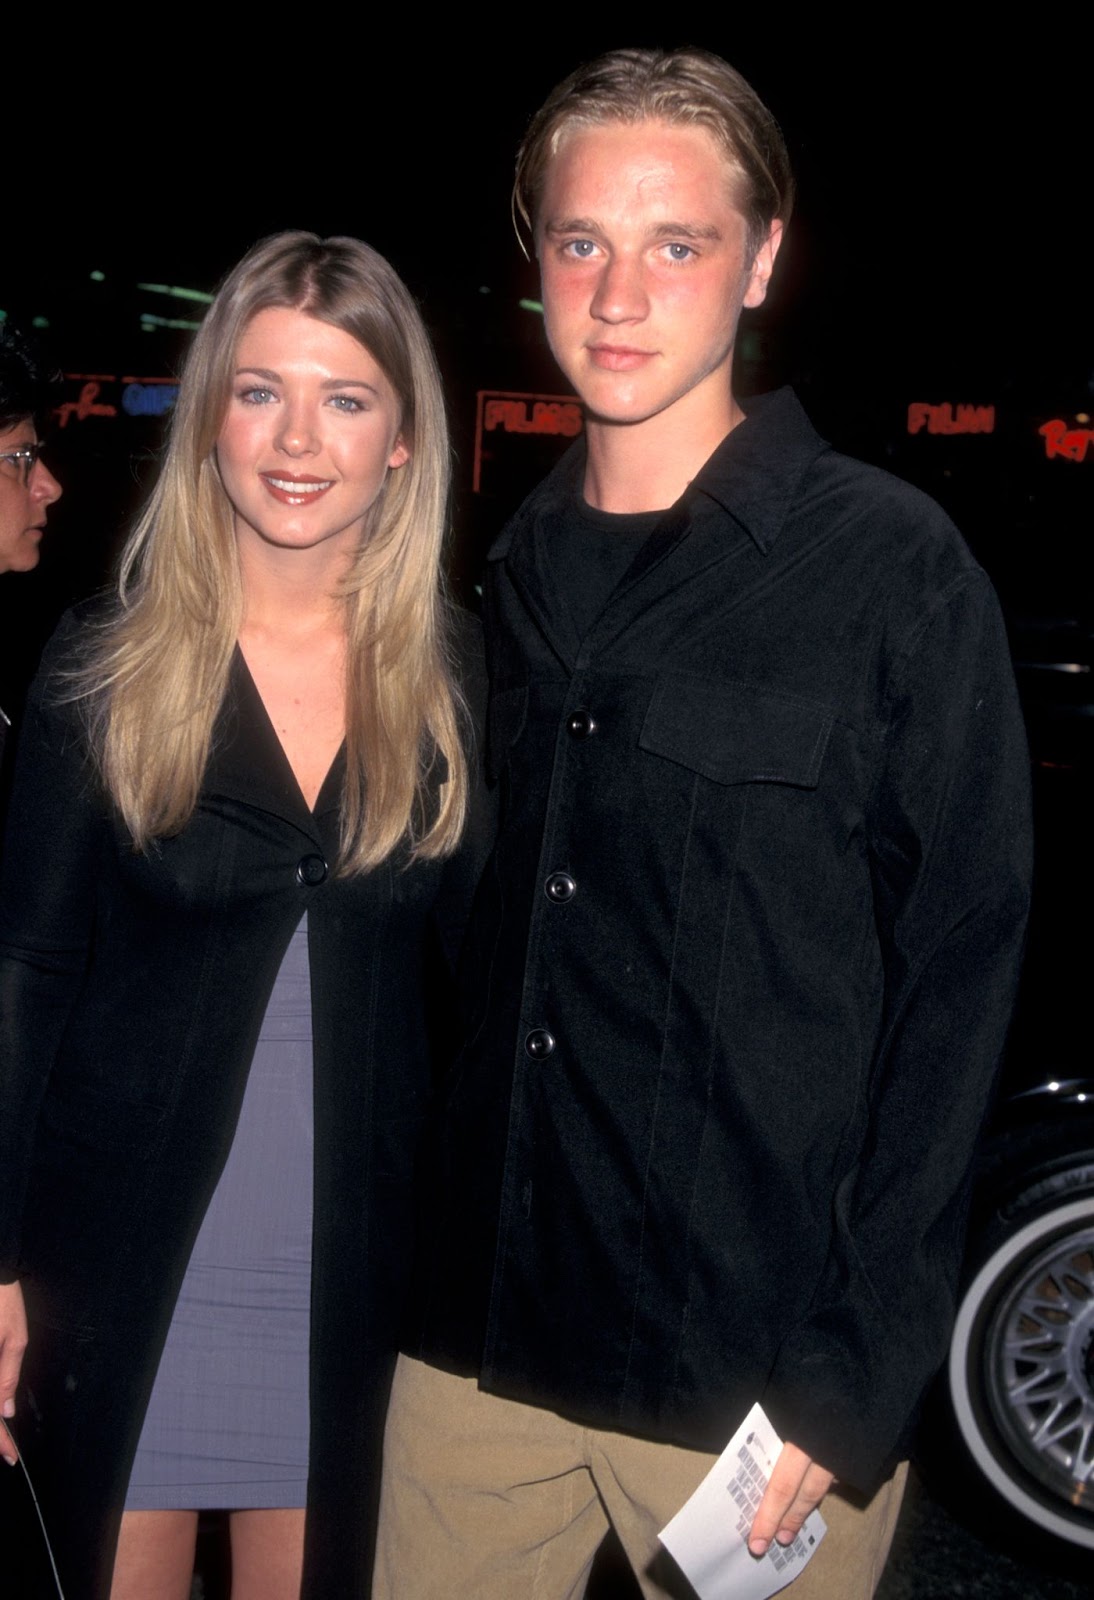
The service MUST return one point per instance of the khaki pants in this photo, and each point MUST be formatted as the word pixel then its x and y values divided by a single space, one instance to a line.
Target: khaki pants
pixel 487 1499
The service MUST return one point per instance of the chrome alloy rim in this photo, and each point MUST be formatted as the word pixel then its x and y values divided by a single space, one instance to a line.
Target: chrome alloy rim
pixel 1037 1354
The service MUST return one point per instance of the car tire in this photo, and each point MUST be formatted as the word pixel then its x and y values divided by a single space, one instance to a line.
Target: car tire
pixel 1019 1384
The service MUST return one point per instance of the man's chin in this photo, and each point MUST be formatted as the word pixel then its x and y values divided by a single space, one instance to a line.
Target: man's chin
pixel 606 412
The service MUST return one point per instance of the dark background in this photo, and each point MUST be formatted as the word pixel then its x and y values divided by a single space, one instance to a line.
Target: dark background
pixel 938 251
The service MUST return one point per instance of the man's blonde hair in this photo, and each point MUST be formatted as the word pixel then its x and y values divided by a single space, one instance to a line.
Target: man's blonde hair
pixel 685 87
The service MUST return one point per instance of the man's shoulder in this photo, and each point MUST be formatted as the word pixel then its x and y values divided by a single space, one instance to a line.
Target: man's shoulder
pixel 559 487
pixel 901 521
pixel 792 447
pixel 837 536
pixel 863 514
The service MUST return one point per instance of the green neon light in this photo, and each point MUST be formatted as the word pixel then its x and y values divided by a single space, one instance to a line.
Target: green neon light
pixel 531 305
pixel 149 321
pixel 177 293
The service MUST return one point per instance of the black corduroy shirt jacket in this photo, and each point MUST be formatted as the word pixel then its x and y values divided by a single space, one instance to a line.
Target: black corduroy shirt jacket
pixel 741 966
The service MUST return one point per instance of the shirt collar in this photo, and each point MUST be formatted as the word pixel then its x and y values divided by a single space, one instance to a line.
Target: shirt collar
pixel 754 475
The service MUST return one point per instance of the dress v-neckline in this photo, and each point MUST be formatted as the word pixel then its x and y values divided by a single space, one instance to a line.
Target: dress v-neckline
pixel 278 749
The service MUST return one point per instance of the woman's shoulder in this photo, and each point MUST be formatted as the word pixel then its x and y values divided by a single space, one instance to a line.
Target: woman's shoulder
pixel 79 630
pixel 59 684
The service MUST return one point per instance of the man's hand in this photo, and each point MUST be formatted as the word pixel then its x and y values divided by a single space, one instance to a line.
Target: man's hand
pixel 796 1487
pixel 13 1341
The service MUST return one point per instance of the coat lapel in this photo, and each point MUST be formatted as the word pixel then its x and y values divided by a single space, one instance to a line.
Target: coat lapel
pixel 248 764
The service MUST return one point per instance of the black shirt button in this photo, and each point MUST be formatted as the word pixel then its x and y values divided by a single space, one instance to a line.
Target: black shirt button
pixel 560 887
pixel 539 1044
pixel 311 870
pixel 580 724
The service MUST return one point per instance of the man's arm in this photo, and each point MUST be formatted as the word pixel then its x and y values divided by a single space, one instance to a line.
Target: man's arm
pixel 949 837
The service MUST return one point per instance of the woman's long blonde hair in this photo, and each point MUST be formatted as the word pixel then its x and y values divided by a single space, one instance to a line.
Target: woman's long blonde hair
pixel 159 671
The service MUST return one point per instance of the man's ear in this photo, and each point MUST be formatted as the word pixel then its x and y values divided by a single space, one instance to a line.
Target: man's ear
pixel 763 266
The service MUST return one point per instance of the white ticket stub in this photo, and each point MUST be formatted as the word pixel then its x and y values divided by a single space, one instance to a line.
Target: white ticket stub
pixel 708 1536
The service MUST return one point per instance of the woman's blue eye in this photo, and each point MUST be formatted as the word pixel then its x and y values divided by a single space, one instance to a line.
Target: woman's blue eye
pixel 256 396
pixel 347 402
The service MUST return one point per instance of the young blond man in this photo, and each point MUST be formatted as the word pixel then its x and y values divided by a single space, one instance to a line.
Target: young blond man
pixel 741 965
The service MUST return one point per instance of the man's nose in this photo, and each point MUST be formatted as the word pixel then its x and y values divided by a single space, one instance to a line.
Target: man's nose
pixel 621 294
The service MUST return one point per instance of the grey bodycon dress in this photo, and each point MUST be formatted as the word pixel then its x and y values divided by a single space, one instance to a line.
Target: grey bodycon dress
pixel 227 1425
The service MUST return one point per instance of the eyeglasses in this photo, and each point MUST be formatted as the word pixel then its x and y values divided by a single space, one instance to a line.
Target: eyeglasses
pixel 20 463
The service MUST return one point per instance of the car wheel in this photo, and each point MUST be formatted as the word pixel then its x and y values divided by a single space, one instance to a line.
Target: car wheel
pixel 1021 1366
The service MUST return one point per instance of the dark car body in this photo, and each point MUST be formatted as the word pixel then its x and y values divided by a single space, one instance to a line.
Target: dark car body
pixel 1012 1422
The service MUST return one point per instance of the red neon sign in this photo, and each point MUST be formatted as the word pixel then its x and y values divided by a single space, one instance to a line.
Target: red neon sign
pixel 140 397
pixel 88 405
pixel 947 418
pixel 1060 440
pixel 514 412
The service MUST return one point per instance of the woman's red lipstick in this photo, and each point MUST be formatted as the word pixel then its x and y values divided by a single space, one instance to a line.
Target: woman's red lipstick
pixel 295 488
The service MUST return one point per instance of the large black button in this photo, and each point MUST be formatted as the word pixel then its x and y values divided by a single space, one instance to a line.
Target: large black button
pixel 560 887
pixel 311 870
pixel 580 724
pixel 539 1044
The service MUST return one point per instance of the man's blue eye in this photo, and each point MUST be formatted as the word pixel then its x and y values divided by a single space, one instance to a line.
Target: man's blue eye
pixel 582 247
pixel 680 252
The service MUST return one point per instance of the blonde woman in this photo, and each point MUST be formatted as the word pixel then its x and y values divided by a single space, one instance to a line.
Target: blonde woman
pixel 239 796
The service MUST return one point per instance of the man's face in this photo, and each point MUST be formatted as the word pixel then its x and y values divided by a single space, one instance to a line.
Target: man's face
pixel 645 269
pixel 25 496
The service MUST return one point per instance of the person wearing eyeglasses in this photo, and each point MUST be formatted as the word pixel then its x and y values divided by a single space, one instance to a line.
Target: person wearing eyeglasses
pixel 27 487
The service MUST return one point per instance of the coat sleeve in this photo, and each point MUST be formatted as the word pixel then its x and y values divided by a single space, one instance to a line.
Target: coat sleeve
pixel 47 904
pixel 950 842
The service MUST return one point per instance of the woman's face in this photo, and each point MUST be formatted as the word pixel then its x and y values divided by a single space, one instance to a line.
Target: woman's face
pixel 26 494
pixel 310 434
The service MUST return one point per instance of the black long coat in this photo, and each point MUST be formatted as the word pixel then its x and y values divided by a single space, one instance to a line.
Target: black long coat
pixel 132 988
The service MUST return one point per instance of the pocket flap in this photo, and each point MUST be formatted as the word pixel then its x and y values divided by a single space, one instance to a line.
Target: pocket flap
pixel 736 733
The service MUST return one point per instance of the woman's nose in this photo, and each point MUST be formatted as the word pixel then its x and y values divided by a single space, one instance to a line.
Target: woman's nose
pixel 298 434
pixel 43 485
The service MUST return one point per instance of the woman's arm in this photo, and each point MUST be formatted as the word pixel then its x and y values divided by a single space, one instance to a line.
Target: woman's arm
pixel 13 1341
pixel 46 918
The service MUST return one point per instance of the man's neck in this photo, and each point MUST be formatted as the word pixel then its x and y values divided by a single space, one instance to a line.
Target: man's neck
pixel 646 466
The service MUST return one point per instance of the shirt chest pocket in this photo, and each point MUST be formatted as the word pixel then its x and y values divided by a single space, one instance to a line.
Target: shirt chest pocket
pixel 737 834
pixel 735 733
